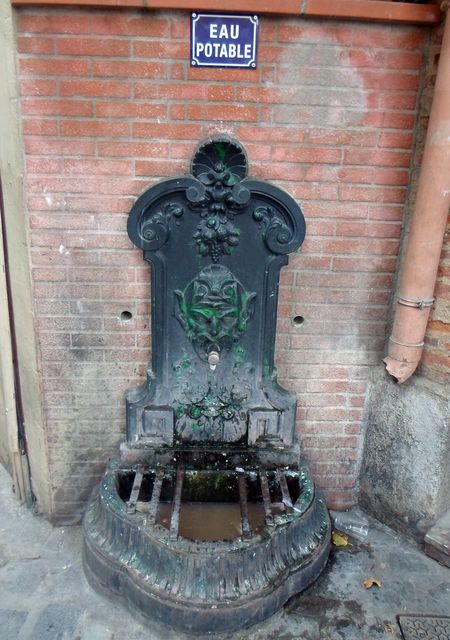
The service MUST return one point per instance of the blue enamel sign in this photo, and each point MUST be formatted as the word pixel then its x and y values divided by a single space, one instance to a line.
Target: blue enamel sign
pixel 223 40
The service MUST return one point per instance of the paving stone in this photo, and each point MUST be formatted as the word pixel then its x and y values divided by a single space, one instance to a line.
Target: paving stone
pixel 93 631
pixel 440 592
pixel 3 558
pixel 56 622
pixel 11 622
pixel 24 577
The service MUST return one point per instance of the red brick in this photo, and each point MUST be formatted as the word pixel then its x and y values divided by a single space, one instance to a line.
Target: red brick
pixel 97 167
pixel 45 107
pixel 176 90
pixel 160 168
pixel 129 69
pixel 35 145
pixel 362 229
pixel 345 280
pixel 61 221
pixel 113 23
pixel 54 66
pixel 43 165
pixel 387 120
pixel 372 194
pixel 39 127
pixel 296 154
pixel 313 33
pixel 404 60
pixel 125 355
pixel 365 57
pixel 127 110
pixel 266 133
pixel 38 87
pixel 223 112
pixel 222 75
pixel 133 149
pixel 49 275
pixel 382 264
pixel 27 44
pixel 68 22
pixel 157 49
pixel 386 212
pixel 397 139
pixel 102 340
pixel 94 128
pixel 94 88
pixel 177 131
pixel 377 157
pixel 181 150
pixel 391 39
pixel 398 100
pixel 80 240
pixel 92 47
pixel 342 137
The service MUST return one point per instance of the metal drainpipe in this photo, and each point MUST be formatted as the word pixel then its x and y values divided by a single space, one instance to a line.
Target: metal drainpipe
pixel 427 228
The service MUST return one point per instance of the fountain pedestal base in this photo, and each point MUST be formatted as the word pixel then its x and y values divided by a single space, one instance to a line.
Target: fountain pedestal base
pixel 134 555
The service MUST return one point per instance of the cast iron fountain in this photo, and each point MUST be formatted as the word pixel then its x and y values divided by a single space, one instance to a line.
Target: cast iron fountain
pixel 207 520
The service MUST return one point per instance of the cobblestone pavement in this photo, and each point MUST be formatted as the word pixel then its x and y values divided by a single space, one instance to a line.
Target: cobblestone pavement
pixel 44 595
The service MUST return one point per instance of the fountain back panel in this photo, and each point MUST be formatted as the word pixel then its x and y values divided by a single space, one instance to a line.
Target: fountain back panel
pixel 207 520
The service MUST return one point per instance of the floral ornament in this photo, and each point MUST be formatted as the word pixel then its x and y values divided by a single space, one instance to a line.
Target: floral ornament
pixel 219 166
pixel 213 408
pixel 154 229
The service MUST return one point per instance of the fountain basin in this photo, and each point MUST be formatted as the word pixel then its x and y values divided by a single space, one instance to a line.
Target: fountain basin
pixel 142 558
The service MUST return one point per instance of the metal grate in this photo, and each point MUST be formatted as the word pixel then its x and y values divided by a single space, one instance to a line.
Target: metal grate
pixel 272 494
pixel 421 627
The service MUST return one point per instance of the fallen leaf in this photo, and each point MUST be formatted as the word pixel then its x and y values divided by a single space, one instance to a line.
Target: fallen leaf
pixel 339 539
pixel 370 582
pixel 389 627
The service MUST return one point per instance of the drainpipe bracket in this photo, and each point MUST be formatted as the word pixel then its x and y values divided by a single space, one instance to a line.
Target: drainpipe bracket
pixel 409 345
pixel 416 303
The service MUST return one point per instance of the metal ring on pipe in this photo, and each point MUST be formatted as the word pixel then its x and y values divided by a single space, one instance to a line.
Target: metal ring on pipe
pixel 405 344
pixel 417 304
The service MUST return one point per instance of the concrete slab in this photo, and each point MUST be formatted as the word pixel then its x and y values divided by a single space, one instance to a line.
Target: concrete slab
pixel 58 604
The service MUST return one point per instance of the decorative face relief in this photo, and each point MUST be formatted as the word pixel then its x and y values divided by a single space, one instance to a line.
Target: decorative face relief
pixel 214 310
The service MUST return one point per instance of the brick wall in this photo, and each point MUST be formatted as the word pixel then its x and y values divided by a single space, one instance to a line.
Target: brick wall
pixel 110 104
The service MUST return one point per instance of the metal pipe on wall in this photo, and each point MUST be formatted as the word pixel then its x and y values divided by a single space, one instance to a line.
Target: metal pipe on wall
pixel 427 228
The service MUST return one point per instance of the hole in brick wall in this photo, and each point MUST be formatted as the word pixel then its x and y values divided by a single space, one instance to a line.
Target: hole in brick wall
pixel 298 321
pixel 126 316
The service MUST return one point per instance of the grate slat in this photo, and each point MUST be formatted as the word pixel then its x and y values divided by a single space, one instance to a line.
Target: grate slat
pixel 156 494
pixel 246 531
pixel 266 498
pixel 134 495
pixel 175 518
pixel 285 491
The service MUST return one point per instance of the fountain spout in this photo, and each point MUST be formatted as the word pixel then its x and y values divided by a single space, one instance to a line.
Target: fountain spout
pixel 213 360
